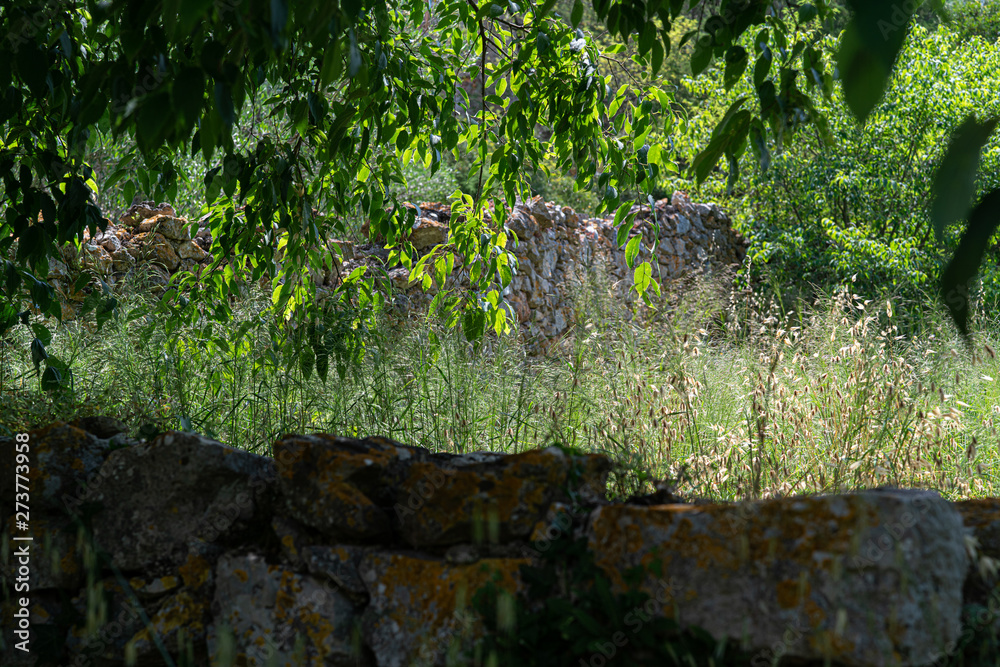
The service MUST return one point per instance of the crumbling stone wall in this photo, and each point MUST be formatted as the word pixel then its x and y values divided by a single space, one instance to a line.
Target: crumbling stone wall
pixel 342 551
pixel 557 248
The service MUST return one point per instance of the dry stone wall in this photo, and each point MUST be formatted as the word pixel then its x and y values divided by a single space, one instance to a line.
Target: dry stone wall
pixel 557 249
pixel 343 551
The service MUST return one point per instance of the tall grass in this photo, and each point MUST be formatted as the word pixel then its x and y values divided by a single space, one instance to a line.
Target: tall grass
pixel 724 395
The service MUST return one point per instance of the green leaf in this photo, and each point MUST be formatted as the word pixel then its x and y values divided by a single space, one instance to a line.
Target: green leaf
pixel 542 43
pixel 354 57
pixel 868 49
pixel 307 361
pixel 631 250
pixel 736 63
pixel 224 103
pixel 577 14
pixel 657 56
pixel 545 9
pixel 8 318
pixel 642 276
pixel 959 275
pixel 105 311
pixel 473 324
pixel 955 181
pixel 42 334
pixel 701 56
pixel 624 230
pixel 728 136
pixel 807 12
pixel 52 379
pixel 38 353
pixel 332 63
pixel 188 93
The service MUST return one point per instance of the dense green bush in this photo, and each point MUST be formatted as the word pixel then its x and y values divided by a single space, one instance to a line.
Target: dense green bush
pixel 854 206
pixel 976 18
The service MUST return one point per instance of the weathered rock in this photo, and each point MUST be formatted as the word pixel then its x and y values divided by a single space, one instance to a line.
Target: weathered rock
pixel 58 270
pixel 873 578
pixel 100 426
pixel 338 564
pixel 332 483
pixel 97 259
pixel 173 228
pixel 142 210
pixel 60 460
pixel 93 642
pixel 292 538
pixel 153 247
pixel 173 496
pixel 190 250
pixel 981 518
pixel 415 615
pixel 123 260
pixel 111 243
pixel 400 278
pixel 521 223
pixel 428 233
pixel 278 617
pixel 181 619
pixel 448 500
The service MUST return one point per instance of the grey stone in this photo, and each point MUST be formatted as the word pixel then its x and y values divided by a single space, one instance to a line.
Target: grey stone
pixel 165 498
pixel 277 617
pixel 868 579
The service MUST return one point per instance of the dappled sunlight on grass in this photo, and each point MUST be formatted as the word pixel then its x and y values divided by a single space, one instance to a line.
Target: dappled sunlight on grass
pixel 717 395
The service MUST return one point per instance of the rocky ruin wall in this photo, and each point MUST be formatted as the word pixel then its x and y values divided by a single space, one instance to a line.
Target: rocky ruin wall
pixel 557 249
pixel 343 551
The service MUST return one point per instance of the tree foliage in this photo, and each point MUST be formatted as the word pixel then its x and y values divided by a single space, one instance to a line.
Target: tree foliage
pixel 362 88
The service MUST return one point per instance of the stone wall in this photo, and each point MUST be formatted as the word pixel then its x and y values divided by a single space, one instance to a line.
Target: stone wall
pixel 557 248
pixel 341 551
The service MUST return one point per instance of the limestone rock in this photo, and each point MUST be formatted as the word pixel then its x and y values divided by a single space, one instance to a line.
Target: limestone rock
pixel 142 210
pixel 190 250
pixel 414 616
pixel 171 227
pixel 167 498
pixel 333 484
pixel 58 270
pixel 428 233
pixel 339 565
pixel 279 618
pixel 63 460
pixel 869 579
pixel 122 260
pixel 104 645
pixel 449 499
pixel 522 223
pixel 180 619
pixel 154 247
pixel 100 426
pixel 97 259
